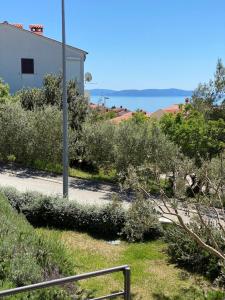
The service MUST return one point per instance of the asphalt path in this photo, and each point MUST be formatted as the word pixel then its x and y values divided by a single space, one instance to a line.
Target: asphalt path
pixel 80 190
pixel 83 191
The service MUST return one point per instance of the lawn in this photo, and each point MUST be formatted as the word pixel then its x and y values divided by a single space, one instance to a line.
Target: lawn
pixel 152 276
pixel 75 172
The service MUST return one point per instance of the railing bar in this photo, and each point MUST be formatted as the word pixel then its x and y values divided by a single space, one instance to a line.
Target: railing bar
pixel 126 273
pixel 60 281
pixel 109 296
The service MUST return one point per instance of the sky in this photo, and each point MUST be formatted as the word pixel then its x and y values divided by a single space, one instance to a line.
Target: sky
pixel 135 44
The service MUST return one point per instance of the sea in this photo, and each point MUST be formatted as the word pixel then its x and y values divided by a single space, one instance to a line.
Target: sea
pixel 148 104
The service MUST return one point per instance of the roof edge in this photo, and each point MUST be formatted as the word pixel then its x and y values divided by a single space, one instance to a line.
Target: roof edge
pixel 42 36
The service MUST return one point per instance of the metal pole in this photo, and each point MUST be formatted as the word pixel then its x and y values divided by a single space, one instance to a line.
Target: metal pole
pixel 56 282
pixel 65 108
pixel 127 294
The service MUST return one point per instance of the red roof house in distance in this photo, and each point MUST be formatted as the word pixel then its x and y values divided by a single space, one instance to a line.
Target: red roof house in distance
pixel 124 117
pixel 172 109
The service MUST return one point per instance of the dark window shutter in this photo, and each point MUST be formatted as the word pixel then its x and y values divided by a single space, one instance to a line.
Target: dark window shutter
pixel 27 66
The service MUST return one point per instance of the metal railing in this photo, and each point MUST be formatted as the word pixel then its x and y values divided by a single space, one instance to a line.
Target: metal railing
pixel 125 293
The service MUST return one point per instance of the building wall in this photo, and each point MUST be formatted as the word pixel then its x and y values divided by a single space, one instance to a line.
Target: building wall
pixel 47 54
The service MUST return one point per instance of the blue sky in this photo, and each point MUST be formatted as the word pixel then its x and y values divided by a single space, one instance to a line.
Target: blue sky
pixel 135 44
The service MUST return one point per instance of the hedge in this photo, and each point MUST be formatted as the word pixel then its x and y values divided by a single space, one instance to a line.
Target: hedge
pixel 107 221
pixel 28 257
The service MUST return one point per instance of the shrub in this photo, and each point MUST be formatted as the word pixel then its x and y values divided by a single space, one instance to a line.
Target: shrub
pixel 193 293
pixel 27 257
pixel 16 133
pixel 30 98
pixel 128 144
pixel 30 135
pixel 132 145
pixel 141 221
pixel 4 91
pixel 98 141
pixel 46 125
pixel 31 122
pixel 107 221
pixel 186 253
pixel 11 158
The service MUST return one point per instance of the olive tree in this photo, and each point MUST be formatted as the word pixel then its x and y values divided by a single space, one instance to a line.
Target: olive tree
pixel 98 142
pixel 209 98
pixel 16 132
pixel 30 135
pixel 204 206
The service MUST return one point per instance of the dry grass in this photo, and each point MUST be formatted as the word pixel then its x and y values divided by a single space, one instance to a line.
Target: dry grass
pixel 151 273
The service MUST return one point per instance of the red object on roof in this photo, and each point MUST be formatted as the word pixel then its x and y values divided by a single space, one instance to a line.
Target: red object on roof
pixel 37 28
pixel 18 25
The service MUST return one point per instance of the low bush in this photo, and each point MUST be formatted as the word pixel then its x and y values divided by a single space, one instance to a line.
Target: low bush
pixel 107 221
pixel 141 221
pixel 27 257
pixel 193 293
pixel 186 253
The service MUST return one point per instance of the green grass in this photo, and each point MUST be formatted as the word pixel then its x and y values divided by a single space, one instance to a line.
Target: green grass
pixel 57 168
pixel 152 276
pixel 28 257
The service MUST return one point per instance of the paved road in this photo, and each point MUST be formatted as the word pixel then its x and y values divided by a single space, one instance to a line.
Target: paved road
pixel 84 191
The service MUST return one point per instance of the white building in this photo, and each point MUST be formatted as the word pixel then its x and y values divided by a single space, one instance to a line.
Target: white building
pixel 26 56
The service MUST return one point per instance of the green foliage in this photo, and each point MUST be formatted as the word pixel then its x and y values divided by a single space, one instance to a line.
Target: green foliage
pixel 47 166
pixel 30 135
pixel 141 221
pixel 132 145
pixel 27 257
pixel 30 99
pixel 51 95
pixel 11 158
pixel 98 143
pixel 41 111
pixel 100 114
pixel 208 98
pixel 138 117
pixel 192 293
pixel 127 144
pixel 77 105
pixel 16 133
pixel 106 221
pixel 46 125
pixel 215 90
pixel 4 91
pixel 110 115
pixel 52 90
pixel 199 129
pixel 197 137
pixel 184 251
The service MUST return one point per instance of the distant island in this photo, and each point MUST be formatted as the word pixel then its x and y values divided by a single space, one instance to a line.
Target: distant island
pixel 141 93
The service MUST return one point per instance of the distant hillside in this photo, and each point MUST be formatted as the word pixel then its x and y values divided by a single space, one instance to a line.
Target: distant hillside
pixel 140 93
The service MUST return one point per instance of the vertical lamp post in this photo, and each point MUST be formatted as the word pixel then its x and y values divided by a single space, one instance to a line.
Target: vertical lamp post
pixel 65 108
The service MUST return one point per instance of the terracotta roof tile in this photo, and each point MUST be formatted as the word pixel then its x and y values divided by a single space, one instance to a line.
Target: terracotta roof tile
pixel 172 109
pixel 124 117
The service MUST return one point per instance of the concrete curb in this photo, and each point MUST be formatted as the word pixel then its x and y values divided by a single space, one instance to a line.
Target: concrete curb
pixel 37 177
